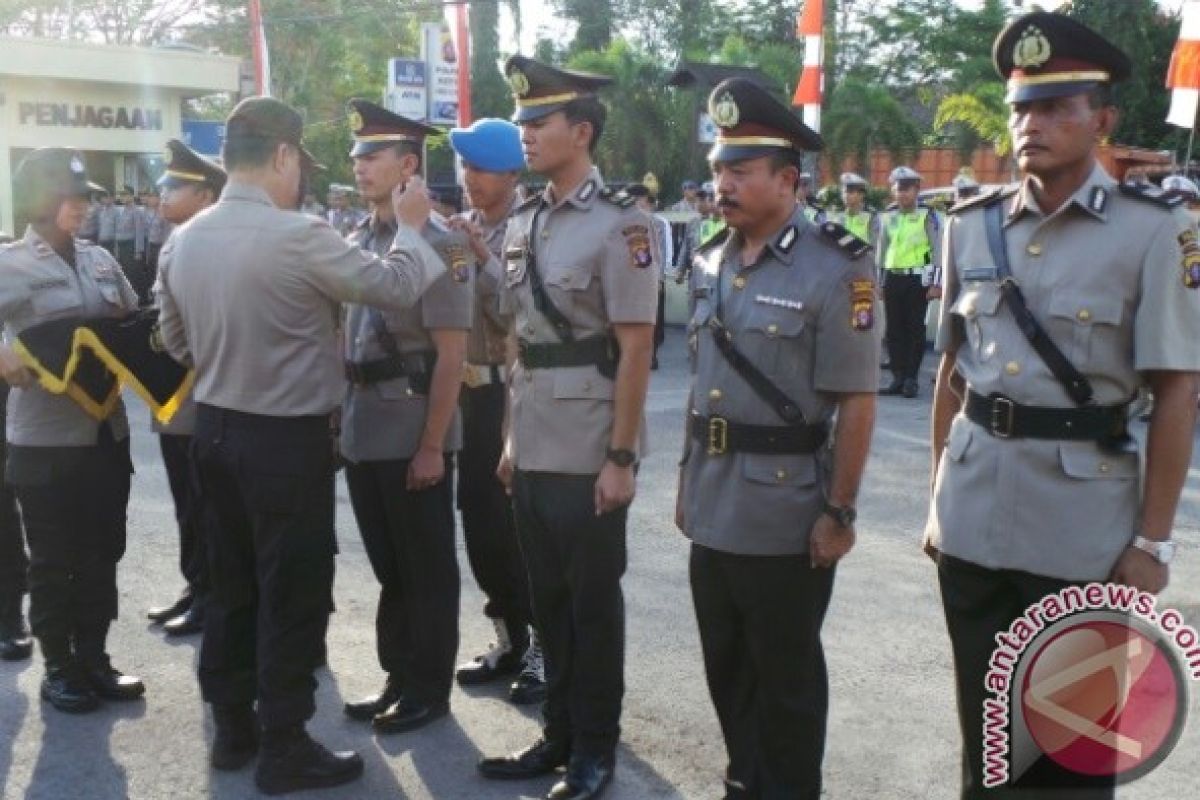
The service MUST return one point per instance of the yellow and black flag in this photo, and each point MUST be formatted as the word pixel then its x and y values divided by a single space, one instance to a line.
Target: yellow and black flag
pixel 89 359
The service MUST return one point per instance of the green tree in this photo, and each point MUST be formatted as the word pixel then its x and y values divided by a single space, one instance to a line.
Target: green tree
pixel 982 111
pixel 128 22
pixel 596 20
pixel 863 117
pixel 490 96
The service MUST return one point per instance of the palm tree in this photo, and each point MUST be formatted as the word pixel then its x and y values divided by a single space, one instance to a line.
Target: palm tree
pixel 983 111
pixel 861 118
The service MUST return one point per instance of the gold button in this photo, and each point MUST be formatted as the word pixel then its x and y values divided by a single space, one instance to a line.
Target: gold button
pixel 587 386
pixel 1104 467
pixel 781 475
pixel 772 329
pixel 1084 315
pixel 1012 368
pixel 545 234
pixel 739 282
pixel 714 394
pixel 1034 249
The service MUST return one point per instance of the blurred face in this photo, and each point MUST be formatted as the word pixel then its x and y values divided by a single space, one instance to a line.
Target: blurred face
pixel 905 194
pixel 1057 133
pixel 377 173
pixel 181 203
pixel 338 201
pixel 689 194
pixel 748 192
pixel 70 216
pixel 551 143
pixel 854 198
pixel 802 190
pixel 488 190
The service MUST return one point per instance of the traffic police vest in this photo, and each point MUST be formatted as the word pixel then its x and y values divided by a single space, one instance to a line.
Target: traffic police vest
pixel 908 244
pixel 858 224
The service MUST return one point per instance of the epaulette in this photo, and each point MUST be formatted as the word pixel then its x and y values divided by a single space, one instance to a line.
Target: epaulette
pixel 528 202
pixel 716 240
pixel 621 199
pixel 841 236
pixel 1151 194
pixel 984 199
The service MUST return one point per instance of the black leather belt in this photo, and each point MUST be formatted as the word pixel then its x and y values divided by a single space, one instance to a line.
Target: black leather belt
pixel 1006 419
pixel 721 436
pixel 415 366
pixel 598 351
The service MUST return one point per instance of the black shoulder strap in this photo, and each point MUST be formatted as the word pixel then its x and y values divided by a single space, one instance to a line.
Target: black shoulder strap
pixel 1077 386
pixel 1150 194
pixel 775 397
pixel 841 236
pixel 541 300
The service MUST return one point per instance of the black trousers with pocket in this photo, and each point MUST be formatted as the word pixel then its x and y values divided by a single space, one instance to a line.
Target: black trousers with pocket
pixel 905 302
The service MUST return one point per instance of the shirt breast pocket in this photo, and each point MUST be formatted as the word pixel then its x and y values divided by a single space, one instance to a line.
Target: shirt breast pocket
pixel 1087 327
pixel 978 305
pixel 110 290
pixel 567 286
pixel 54 299
pixel 777 336
pixel 783 471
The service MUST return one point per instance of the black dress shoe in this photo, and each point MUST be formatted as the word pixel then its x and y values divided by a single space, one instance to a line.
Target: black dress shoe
pixel 541 758
pixel 164 613
pixel 296 762
pixel 236 740
pixel 368 708
pixel 408 715
pixel 587 777
pixel 187 623
pixel 910 388
pixel 893 389
pixel 111 684
pixel 64 689
pixel 503 657
pixel 16 644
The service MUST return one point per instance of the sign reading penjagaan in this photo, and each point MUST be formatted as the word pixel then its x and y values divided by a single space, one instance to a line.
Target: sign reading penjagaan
pixel 74 115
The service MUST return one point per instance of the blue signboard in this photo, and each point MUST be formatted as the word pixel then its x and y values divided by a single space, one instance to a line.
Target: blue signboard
pixel 203 136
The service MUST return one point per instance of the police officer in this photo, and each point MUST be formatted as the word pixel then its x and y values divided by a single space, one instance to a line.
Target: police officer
pixel 965 186
pixel 71 472
pixel 157 229
pixel 190 183
pixel 908 258
pixel 581 277
pixel 804 193
pixel 492 162
pixel 857 218
pixel 782 339
pixel 1037 485
pixel 15 641
pixel 106 223
pixel 129 235
pixel 342 216
pixel 259 325
pixel 400 428
pixel 662 233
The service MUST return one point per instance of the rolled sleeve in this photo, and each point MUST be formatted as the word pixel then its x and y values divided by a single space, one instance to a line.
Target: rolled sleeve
pixel 1167 320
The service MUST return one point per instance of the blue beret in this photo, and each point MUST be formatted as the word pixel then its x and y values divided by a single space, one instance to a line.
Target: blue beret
pixel 492 145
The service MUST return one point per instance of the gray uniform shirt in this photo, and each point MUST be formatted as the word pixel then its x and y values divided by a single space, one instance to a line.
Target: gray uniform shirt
pixel 130 226
pixel 157 228
pixel 804 314
pixel 489 330
pixel 592 257
pixel 36 286
pixel 384 421
pixel 106 221
pixel 250 296
pixel 1105 275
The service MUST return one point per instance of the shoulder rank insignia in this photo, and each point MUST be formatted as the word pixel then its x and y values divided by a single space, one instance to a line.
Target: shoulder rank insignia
pixel 844 239
pixel 620 199
pixel 1150 194
pixel 862 304
pixel 984 199
pixel 1190 265
pixel 637 239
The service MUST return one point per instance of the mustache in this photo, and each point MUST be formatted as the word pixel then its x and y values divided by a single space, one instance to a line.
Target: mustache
pixel 725 202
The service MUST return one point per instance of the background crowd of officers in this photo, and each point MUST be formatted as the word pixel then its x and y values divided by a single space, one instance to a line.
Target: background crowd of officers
pixel 520 336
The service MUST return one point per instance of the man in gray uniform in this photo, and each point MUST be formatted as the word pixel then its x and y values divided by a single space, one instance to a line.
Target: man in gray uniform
pixel 157 229
pixel 782 338
pixel 106 224
pixel 1064 295
pixel 581 277
pixel 400 429
pixel 259 326
pixel 129 235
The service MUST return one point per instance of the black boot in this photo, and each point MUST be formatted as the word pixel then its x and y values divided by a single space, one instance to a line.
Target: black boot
pixel 106 681
pixel 15 642
pixel 236 740
pixel 291 761
pixel 64 686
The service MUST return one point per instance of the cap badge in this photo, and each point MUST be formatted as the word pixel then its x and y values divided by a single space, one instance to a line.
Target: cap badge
pixel 1032 49
pixel 356 121
pixel 518 82
pixel 725 111
pixel 76 165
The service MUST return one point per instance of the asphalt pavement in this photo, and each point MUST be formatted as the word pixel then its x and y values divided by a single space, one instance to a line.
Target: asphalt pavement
pixel 892 727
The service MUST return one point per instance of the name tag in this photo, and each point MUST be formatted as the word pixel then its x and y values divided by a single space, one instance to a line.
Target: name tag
pixel 779 302
pixel 52 283
pixel 980 273
pixel 514 256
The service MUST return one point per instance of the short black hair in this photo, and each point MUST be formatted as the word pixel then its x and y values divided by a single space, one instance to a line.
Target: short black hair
pixel 782 159
pixel 587 109
pixel 248 152
pixel 405 148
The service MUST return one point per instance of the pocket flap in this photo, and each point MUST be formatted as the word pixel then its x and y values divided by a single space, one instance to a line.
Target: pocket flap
pixel 979 298
pixel 1085 310
pixel 786 324
pixel 1085 460
pixel 779 470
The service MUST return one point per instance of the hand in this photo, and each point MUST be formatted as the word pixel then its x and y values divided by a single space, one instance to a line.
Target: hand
pixel 1140 570
pixel 13 369
pixel 411 203
pixel 614 488
pixel 474 233
pixel 829 542
pixel 427 469
pixel 504 473
pixel 934 293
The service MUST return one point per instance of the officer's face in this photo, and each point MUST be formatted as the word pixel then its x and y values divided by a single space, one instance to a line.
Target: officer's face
pixel 378 172
pixel 181 203
pixel 905 194
pixel 487 190
pixel 1057 133
pixel 854 198
pixel 750 191
pixel 71 214
pixel 551 142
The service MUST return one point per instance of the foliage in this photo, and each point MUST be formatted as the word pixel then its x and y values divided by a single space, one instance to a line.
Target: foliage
pixel 110 21
pixel 983 111
pixel 862 117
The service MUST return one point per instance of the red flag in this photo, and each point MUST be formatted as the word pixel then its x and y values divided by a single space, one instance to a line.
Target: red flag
pixel 258 47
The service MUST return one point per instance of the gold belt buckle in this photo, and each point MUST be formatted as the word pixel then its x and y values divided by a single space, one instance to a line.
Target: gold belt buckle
pixel 471 376
pixel 718 436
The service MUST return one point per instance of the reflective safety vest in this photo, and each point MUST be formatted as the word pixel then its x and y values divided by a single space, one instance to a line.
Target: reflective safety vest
pixel 710 228
pixel 859 224
pixel 908 244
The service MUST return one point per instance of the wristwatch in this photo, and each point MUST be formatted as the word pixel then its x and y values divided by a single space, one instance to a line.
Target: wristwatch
pixel 621 457
pixel 1163 551
pixel 844 516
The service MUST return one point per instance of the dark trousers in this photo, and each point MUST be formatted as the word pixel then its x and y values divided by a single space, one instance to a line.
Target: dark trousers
pixel 189 514
pixel 149 273
pixel 660 321
pixel 760 623
pixel 269 484
pixel 487 514
pixel 575 561
pixel 979 603
pixel 905 302
pixel 73 500
pixel 409 538
pixel 14 562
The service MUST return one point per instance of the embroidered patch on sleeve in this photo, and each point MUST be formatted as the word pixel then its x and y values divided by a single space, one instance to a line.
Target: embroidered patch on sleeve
pixel 862 304
pixel 637 239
